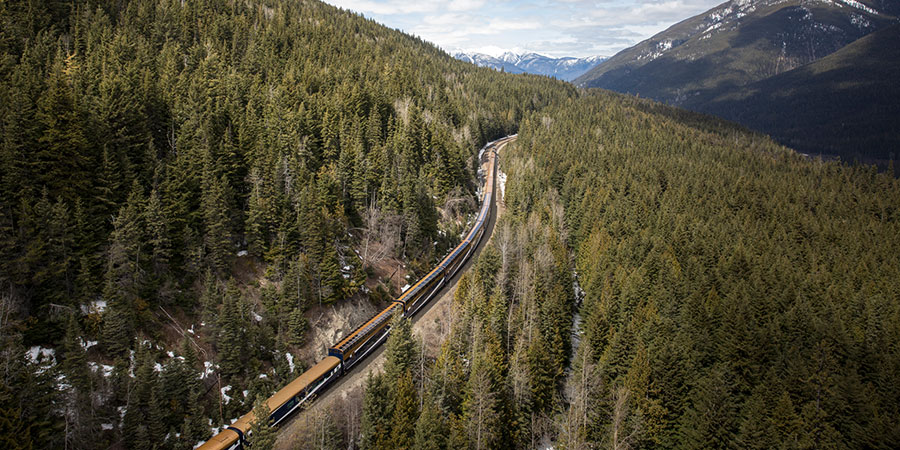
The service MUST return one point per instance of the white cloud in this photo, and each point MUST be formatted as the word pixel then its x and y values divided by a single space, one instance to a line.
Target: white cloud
pixel 550 27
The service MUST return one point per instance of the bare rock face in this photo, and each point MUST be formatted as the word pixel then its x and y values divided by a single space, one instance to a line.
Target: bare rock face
pixel 329 324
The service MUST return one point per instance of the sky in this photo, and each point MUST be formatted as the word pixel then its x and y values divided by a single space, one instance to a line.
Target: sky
pixel 554 28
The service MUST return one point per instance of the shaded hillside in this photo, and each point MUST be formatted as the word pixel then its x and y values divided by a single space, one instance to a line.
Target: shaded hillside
pixel 183 182
pixel 846 104
pixel 736 43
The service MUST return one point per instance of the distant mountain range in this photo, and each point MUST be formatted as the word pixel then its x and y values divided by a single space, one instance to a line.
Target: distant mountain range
pixel 567 68
pixel 726 60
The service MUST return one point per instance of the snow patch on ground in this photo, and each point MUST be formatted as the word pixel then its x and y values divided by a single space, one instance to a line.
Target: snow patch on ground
pixel 404 288
pixel 96 306
pixel 290 360
pixel 46 357
pixel 105 370
pixel 859 21
pixel 157 367
pixel 225 396
pixel 858 5
pixel 501 180
pixel 106 426
pixel 242 253
pixel 256 316
pixel 713 27
pixel 208 369
pixel 61 383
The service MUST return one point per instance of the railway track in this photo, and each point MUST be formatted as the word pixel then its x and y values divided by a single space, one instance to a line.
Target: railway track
pixel 367 339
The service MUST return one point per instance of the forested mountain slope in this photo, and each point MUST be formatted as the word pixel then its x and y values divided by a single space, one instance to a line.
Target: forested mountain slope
pixel 181 181
pixel 730 60
pixel 735 295
pixel 736 43
pixel 846 104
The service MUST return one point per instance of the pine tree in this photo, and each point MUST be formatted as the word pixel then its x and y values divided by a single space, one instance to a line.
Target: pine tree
pixel 61 159
pixel 374 423
pixel 710 422
pixel 142 415
pixel 431 427
pixel 160 250
pixel 401 350
pixel 256 226
pixel 332 280
pixel 231 342
pixel 117 334
pixel 406 413
pixel 15 431
pixel 297 325
pixel 124 273
pixel 262 435
pixel 157 413
pixel 216 214
pixel 74 364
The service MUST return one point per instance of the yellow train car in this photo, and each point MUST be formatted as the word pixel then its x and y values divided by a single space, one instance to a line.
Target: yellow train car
pixel 281 404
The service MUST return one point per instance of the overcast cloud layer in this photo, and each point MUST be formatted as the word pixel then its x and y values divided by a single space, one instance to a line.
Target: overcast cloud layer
pixel 554 28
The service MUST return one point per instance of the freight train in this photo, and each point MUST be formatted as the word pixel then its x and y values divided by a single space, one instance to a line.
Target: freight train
pixel 355 346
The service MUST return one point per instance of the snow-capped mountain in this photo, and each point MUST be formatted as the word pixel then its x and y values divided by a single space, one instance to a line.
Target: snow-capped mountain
pixel 767 65
pixel 737 43
pixel 567 68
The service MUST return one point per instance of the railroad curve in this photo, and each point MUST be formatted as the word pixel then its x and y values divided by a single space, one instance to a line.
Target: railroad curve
pixel 363 345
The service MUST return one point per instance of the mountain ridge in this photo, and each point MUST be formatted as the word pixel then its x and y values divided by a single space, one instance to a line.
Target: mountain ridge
pixel 565 68
pixel 843 104
pixel 736 43
pixel 721 61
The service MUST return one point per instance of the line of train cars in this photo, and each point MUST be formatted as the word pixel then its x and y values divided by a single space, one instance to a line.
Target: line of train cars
pixel 371 334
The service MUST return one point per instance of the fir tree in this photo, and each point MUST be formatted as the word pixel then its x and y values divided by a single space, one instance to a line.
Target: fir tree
pixel 431 427
pixel 157 233
pixel 374 423
pixel 406 413
pixel 231 341
pixel 262 435
pixel 400 350
pixel 74 364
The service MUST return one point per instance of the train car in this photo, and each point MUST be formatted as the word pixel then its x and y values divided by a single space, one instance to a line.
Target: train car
pixel 281 404
pixel 368 336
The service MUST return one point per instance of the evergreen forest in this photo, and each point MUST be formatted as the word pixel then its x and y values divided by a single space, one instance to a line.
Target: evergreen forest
pixel 663 279
pixel 186 184
pixel 182 181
